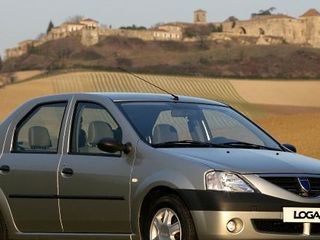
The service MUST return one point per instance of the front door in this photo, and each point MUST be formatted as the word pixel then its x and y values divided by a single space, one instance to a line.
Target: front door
pixel 29 175
pixel 94 186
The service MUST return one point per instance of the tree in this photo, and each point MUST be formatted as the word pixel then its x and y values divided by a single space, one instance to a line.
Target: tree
pixel 232 19
pixel 201 33
pixel 157 25
pixel 50 26
pixel 133 27
pixel 75 19
pixel 268 11
pixel 215 27
pixel 262 12
pixel 197 31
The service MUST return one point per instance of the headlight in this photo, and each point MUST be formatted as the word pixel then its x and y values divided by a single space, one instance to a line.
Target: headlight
pixel 227 182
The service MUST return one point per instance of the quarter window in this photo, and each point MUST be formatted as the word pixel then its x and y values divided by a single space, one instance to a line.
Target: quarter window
pixel 91 124
pixel 39 131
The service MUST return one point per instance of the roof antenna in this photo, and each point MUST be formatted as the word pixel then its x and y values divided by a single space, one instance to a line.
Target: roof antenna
pixel 175 97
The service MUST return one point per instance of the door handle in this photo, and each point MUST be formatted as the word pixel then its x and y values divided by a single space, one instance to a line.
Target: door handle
pixel 67 171
pixel 5 169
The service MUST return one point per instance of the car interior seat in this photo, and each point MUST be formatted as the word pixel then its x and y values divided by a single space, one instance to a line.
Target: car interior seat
pixel 164 133
pixel 39 138
pixel 97 131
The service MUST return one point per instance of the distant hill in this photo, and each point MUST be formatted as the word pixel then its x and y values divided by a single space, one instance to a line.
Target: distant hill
pixel 234 58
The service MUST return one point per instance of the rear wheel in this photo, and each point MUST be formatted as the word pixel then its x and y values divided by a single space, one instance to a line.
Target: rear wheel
pixel 168 219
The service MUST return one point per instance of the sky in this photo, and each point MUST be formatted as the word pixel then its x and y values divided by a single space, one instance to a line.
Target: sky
pixel 26 19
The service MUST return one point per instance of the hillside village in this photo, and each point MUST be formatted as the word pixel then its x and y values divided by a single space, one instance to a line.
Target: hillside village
pixel 260 29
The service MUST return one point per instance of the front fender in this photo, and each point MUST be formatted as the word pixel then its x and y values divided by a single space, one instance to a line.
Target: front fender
pixel 168 178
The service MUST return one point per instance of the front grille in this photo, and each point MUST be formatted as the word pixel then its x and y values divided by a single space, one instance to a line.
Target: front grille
pixel 291 184
pixel 277 226
pixel 315 229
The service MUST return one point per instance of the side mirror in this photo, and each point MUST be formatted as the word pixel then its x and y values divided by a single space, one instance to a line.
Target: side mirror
pixel 112 146
pixel 290 147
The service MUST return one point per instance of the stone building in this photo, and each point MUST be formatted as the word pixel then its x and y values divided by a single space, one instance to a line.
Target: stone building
pixel 200 17
pixel 66 29
pixel 311 23
pixel 157 34
pixel 169 31
pixel 267 29
pixel 89 23
pixel 21 49
pixel 90 33
pixel 302 30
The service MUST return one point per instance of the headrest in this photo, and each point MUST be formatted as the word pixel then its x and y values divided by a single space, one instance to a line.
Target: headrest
pixel 99 130
pixel 164 133
pixel 39 138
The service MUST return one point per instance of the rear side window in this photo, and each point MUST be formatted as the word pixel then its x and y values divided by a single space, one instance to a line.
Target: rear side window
pixel 39 131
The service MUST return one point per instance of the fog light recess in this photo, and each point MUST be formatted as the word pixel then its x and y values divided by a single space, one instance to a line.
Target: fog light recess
pixel 235 225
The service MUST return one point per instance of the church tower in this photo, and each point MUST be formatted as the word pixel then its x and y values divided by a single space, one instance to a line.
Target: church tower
pixel 200 17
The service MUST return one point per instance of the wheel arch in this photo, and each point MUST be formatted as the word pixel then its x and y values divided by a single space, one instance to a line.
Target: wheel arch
pixel 165 180
pixel 152 195
pixel 146 193
pixel 155 193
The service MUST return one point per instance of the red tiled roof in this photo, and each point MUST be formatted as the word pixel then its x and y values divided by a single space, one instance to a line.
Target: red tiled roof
pixel 70 23
pixel 311 13
pixel 89 20
pixel 200 10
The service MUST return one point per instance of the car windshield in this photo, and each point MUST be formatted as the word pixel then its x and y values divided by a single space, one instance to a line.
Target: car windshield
pixel 176 124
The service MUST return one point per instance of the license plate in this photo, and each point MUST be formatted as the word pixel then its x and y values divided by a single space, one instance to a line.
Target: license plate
pixel 301 215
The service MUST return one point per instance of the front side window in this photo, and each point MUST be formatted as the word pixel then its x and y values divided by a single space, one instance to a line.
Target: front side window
pixel 175 124
pixel 91 124
pixel 39 131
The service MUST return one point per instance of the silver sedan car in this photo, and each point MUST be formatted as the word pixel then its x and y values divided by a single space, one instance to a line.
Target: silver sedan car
pixel 150 167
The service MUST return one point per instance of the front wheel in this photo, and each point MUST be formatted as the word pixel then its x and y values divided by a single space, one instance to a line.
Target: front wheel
pixel 169 219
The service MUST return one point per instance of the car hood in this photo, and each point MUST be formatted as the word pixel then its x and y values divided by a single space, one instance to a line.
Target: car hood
pixel 249 160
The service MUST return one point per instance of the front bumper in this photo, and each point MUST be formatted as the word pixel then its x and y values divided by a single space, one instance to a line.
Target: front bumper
pixel 212 225
pixel 260 215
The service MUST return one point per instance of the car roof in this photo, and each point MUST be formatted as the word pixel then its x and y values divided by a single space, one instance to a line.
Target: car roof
pixel 138 97
pixel 135 97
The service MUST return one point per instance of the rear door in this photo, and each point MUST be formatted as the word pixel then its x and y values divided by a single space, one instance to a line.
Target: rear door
pixel 29 168
pixel 94 185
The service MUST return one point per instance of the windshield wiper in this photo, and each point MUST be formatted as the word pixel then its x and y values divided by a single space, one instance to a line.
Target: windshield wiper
pixel 240 144
pixel 186 143
pixel 190 143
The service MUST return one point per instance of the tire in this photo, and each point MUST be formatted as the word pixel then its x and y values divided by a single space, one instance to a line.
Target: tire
pixel 3 229
pixel 168 218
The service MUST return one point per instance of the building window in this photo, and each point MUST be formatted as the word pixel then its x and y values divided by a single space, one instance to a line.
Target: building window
pixel 243 30
pixel 261 31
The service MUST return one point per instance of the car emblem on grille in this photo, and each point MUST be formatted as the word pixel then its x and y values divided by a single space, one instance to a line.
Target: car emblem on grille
pixel 305 186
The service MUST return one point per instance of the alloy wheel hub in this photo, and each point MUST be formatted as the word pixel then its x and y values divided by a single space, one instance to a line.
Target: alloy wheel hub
pixel 165 225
